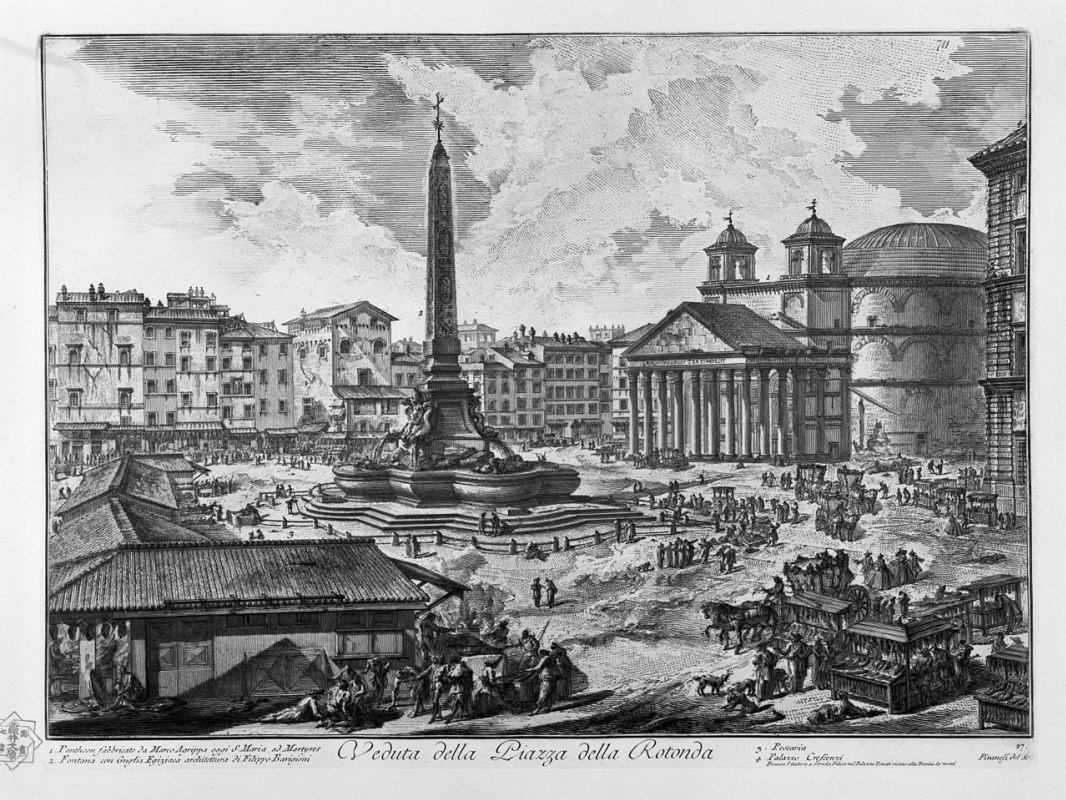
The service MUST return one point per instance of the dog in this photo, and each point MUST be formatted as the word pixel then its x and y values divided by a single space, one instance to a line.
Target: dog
pixel 745 687
pixel 712 682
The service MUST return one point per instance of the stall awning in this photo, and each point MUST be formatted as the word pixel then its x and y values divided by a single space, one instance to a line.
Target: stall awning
pixel 281 432
pixel 198 426
pixel 82 426
pixel 127 428
pixel 313 427
pixel 240 427
pixel 904 634
pixel 992 582
pixel 372 392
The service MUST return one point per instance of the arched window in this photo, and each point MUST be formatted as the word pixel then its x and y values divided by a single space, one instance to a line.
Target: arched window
pixel 346 347
pixel 492 405
pixel 715 268
pixel 740 265
pixel 795 262
pixel 828 260
pixel 379 347
pixel 124 356
pixel 74 356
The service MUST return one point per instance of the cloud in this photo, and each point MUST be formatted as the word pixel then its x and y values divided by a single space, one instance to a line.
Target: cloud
pixel 673 129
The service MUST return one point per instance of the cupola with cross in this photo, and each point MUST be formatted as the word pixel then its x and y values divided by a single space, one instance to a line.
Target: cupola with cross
pixel 814 249
pixel 732 257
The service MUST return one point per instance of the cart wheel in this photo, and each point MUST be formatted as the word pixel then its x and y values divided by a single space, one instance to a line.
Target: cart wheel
pixel 859 598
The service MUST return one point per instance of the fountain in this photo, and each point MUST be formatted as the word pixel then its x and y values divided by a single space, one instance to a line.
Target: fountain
pixel 446 459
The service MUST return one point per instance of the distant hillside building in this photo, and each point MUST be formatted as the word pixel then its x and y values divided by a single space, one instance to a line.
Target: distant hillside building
pixel 476 334
pixel 605 333
pixel 1006 166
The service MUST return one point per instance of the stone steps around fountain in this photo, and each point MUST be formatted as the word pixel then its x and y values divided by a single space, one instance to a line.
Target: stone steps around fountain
pixel 389 517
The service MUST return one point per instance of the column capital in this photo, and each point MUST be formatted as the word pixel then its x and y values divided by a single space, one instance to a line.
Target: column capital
pixel 672 376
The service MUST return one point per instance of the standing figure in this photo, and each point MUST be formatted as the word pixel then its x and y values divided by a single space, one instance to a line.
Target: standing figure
pixel 536 588
pixel 551 591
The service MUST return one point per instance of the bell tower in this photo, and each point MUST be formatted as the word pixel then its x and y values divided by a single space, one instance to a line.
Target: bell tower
pixel 730 263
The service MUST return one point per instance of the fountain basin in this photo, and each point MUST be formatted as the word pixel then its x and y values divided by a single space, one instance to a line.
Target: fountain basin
pixel 557 483
pixel 497 491
pixel 362 484
pixel 427 488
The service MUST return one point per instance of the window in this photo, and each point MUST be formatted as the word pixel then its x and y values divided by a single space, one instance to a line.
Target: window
pixel 168 333
pixel 248 411
pixel 237 386
pixel 186 399
pixel 153 418
pixel 871 322
pixel 536 402
pixel 536 419
pixel 1019 181
pixel 569 408
pixel 246 363
pixel 521 404
pixel 521 419
pixel 262 350
pixel 149 332
pixel 262 406
pixel 170 418
pixel 1019 353
pixel 112 316
pixel 52 390
pixel 227 412
pixel 246 349
pixel 795 263
pixel 972 323
pixel 362 377
pixel 836 323
pixel 283 349
pixel 168 359
pixel 570 374
pixel 623 404
pixel 593 408
pixel 227 362
pixel 621 382
pixel 150 387
pixel 1021 247
pixel 283 407
pixel 74 398
pixel 171 387
pixel 149 359
pixel 490 387
pixel 570 358
pixel 569 393
pixel 247 621
pixel 579 374
pixel 185 338
pixel 79 315
pixel 321 351
pixel 505 387
pixel 283 377
pixel 125 398
pixel 505 405
pixel 211 363
pixel 211 338
pixel 247 389
pixel 346 347
pixel 74 356
pixel 263 376
pixel 536 388
pixel 492 405
pixel 379 347
pixel 212 401
pixel 186 363
pixel 520 386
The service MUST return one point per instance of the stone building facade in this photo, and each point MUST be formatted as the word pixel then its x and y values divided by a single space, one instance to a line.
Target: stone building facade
pixel 1005 164
pixel 124 374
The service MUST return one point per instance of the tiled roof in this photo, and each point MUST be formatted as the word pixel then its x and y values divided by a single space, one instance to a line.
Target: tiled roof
pixel 633 335
pixel 94 483
pixel 331 311
pixel 149 484
pixel 933 235
pixel 371 392
pixel 253 330
pixel 156 577
pixel 407 358
pixel 1019 136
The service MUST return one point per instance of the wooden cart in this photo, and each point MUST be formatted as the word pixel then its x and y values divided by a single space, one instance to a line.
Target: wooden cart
pixel 989 612
pixel 1011 664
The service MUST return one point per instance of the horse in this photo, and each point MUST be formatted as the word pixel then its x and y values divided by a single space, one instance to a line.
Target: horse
pixel 753 617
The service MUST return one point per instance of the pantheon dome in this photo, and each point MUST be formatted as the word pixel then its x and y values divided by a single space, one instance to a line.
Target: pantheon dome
pixel 917 336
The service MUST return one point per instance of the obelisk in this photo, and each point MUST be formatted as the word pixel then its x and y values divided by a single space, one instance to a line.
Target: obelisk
pixel 452 427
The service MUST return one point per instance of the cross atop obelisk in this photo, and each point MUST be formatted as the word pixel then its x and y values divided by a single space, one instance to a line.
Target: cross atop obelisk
pixel 437 123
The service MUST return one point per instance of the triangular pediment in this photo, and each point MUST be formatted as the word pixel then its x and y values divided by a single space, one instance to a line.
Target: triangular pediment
pixel 680 332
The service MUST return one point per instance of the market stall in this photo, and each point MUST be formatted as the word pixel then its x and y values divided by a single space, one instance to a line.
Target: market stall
pixel 982 508
pixel 879 663
pixel 1006 703
pixel 999 601
pixel 929 492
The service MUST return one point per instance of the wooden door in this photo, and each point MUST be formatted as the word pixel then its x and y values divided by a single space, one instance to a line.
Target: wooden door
pixel 180 656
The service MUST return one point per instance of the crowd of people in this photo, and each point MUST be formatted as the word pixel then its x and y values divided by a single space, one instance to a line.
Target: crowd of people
pixel 880 574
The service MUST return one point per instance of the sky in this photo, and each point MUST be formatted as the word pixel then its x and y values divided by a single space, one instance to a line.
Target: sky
pixel 289 173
